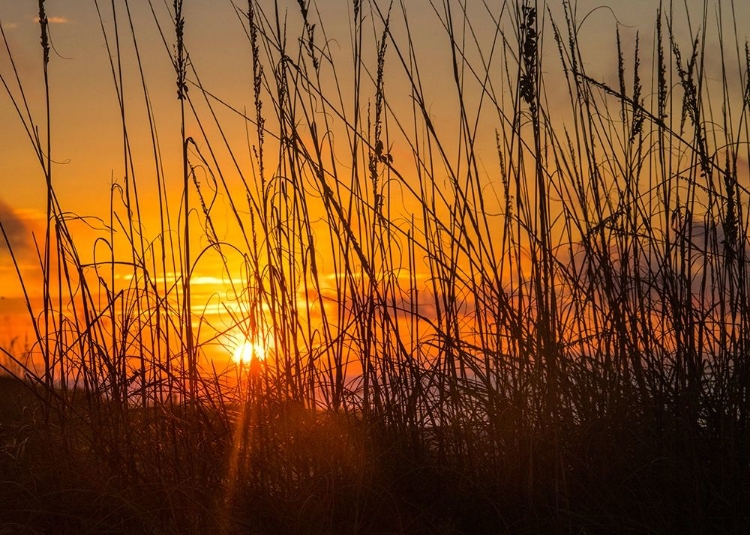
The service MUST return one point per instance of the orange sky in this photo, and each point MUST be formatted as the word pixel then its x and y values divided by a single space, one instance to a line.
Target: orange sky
pixel 87 139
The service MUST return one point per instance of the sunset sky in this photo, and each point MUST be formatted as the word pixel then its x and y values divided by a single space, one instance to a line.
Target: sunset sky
pixel 85 115
pixel 359 266
pixel 86 130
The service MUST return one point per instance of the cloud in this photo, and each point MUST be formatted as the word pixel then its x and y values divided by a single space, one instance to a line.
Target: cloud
pixel 16 228
pixel 10 25
pixel 55 20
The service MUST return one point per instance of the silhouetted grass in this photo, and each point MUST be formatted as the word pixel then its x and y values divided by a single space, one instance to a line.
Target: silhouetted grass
pixel 554 341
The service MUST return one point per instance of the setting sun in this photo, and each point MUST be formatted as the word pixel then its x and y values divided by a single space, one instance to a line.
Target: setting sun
pixel 245 352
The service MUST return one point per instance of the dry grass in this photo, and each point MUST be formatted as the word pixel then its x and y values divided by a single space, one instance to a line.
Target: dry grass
pixel 558 343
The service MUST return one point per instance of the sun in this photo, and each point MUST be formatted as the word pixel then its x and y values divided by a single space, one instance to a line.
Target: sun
pixel 246 351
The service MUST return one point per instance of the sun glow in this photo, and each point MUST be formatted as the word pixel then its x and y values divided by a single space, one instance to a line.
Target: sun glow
pixel 246 351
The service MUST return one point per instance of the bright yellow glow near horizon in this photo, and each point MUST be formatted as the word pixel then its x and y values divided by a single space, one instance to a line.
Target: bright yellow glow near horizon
pixel 246 351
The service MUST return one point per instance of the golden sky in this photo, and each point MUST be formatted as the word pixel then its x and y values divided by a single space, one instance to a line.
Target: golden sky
pixel 85 119
pixel 87 138
pixel 85 115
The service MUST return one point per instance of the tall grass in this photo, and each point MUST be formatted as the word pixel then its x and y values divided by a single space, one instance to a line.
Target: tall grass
pixel 555 338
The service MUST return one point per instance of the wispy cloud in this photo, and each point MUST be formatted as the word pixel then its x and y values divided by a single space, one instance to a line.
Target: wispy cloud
pixel 55 20
pixel 10 25
pixel 16 228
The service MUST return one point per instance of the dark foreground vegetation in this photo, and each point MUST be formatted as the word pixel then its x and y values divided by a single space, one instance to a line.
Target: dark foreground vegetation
pixel 525 312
